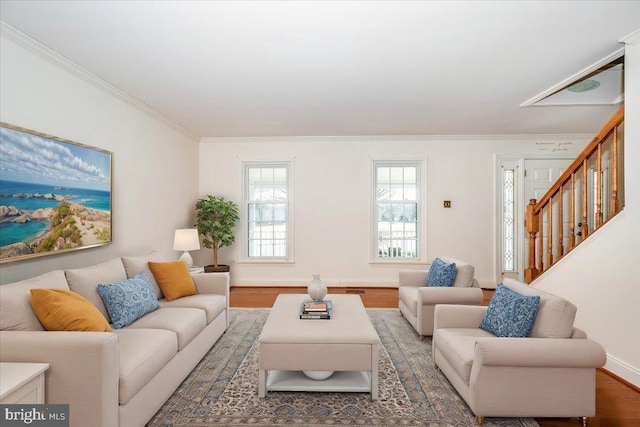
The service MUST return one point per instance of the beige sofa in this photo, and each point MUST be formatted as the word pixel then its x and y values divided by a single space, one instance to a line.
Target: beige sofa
pixel 551 373
pixel 118 378
pixel 417 302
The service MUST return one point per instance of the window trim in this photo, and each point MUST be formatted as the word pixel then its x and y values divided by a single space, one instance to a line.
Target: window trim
pixel 421 223
pixel 244 214
pixel 515 163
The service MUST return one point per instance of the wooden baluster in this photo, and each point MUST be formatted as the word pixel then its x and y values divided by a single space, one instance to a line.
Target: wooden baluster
pixel 599 216
pixel 585 206
pixel 560 225
pixel 572 209
pixel 550 234
pixel 540 243
pixel 531 222
pixel 614 205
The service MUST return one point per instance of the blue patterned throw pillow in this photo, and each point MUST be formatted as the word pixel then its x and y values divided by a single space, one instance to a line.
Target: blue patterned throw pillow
pixel 128 300
pixel 441 274
pixel 510 314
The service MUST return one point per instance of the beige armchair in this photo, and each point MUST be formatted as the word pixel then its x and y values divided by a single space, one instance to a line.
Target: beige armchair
pixel 417 302
pixel 551 373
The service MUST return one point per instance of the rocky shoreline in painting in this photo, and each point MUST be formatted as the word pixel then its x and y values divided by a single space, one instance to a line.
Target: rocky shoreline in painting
pixel 71 225
pixel 49 196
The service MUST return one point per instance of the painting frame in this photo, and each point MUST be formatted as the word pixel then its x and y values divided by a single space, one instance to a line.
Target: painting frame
pixel 56 195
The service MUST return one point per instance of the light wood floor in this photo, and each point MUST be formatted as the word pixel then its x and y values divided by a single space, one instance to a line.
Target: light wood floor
pixel 617 403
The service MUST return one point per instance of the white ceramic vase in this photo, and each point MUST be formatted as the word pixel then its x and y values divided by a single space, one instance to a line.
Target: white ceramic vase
pixel 316 289
pixel 318 375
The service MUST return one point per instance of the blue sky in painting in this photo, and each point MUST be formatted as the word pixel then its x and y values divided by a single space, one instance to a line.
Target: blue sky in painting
pixel 34 159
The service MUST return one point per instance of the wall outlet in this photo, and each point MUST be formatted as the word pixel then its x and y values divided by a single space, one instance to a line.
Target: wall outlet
pixel 447 203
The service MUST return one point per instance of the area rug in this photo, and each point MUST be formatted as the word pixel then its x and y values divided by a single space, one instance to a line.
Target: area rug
pixel 223 388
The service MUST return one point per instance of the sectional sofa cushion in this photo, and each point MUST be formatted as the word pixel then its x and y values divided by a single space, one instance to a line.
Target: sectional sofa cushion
pixel 185 323
pixel 510 314
pixel 129 299
pixel 63 310
pixel 138 264
pixel 174 279
pixel 555 315
pixel 212 304
pixel 85 280
pixel 143 353
pixel 16 313
pixel 441 273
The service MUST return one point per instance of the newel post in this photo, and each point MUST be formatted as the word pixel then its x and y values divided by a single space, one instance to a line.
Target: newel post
pixel 532 224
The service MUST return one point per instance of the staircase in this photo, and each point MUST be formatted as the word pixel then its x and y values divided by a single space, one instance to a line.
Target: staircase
pixel 587 195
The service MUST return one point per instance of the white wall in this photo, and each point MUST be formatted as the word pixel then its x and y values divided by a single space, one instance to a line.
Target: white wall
pixel 154 179
pixel 601 276
pixel 332 201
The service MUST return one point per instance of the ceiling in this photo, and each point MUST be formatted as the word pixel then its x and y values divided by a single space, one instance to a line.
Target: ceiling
pixel 321 68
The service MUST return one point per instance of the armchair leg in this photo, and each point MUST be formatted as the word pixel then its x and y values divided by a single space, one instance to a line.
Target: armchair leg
pixel 421 337
pixel 584 421
pixel 435 365
pixel 479 419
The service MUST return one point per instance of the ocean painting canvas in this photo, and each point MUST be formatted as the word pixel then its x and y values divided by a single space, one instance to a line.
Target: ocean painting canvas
pixel 55 195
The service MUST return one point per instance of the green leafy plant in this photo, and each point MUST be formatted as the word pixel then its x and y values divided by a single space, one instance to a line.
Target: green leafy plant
pixel 215 219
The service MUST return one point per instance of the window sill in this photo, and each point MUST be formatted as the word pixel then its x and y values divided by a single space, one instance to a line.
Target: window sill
pixel 266 262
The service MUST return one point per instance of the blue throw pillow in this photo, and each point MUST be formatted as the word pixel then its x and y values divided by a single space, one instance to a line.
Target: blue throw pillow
pixel 128 300
pixel 510 314
pixel 441 274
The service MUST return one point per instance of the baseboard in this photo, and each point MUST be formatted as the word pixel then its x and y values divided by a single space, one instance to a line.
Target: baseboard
pixel 335 283
pixel 623 370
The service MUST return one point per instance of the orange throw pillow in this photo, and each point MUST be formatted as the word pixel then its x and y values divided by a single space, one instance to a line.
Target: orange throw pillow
pixel 173 279
pixel 62 310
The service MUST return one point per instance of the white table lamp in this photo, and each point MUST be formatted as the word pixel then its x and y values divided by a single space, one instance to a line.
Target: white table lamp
pixel 186 240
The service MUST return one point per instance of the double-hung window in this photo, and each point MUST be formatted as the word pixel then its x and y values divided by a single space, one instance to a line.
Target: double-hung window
pixel 397 210
pixel 267 199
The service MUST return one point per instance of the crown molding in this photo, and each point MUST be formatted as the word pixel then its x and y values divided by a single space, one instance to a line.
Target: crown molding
pixel 391 138
pixel 631 38
pixel 10 33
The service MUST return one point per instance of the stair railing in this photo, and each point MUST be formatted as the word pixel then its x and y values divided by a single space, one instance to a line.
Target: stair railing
pixel 587 195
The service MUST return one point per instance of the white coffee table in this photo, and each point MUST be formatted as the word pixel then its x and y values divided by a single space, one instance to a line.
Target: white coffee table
pixel 346 344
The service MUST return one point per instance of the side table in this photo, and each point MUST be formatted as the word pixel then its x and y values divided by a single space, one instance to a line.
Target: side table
pixel 22 382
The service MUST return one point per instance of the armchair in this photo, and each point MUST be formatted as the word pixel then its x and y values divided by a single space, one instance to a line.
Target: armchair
pixel 551 373
pixel 417 302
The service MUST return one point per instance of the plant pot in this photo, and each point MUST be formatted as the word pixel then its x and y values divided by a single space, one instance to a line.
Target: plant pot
pixel 221 268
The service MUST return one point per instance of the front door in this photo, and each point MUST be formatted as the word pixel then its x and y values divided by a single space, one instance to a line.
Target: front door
pixel 539 176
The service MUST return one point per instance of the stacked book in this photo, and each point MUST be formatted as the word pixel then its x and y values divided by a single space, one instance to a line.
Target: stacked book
pixel 311 309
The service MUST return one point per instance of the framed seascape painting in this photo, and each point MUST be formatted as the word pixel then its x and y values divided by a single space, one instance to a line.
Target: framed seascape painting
pixel 55 195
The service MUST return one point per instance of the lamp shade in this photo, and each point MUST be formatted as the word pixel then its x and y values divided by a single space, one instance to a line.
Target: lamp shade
pixel 186 239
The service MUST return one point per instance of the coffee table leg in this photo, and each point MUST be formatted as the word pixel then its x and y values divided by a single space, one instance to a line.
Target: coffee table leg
pixel 262 383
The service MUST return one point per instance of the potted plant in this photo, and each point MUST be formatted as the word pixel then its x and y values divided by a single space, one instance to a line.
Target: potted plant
pixel 215 219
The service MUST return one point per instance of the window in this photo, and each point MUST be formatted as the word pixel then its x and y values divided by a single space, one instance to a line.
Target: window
pixel 508 220
pixel 397 210
pixel 267 198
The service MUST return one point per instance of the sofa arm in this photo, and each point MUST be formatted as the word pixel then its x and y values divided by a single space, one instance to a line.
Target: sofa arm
pixel 212 283
pixel 448 295
pixel 412 277
pixel 83 370
pixel 458 316
pixel 539 352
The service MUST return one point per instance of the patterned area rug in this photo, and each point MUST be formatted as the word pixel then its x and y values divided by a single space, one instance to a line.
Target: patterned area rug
pixel 223 389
